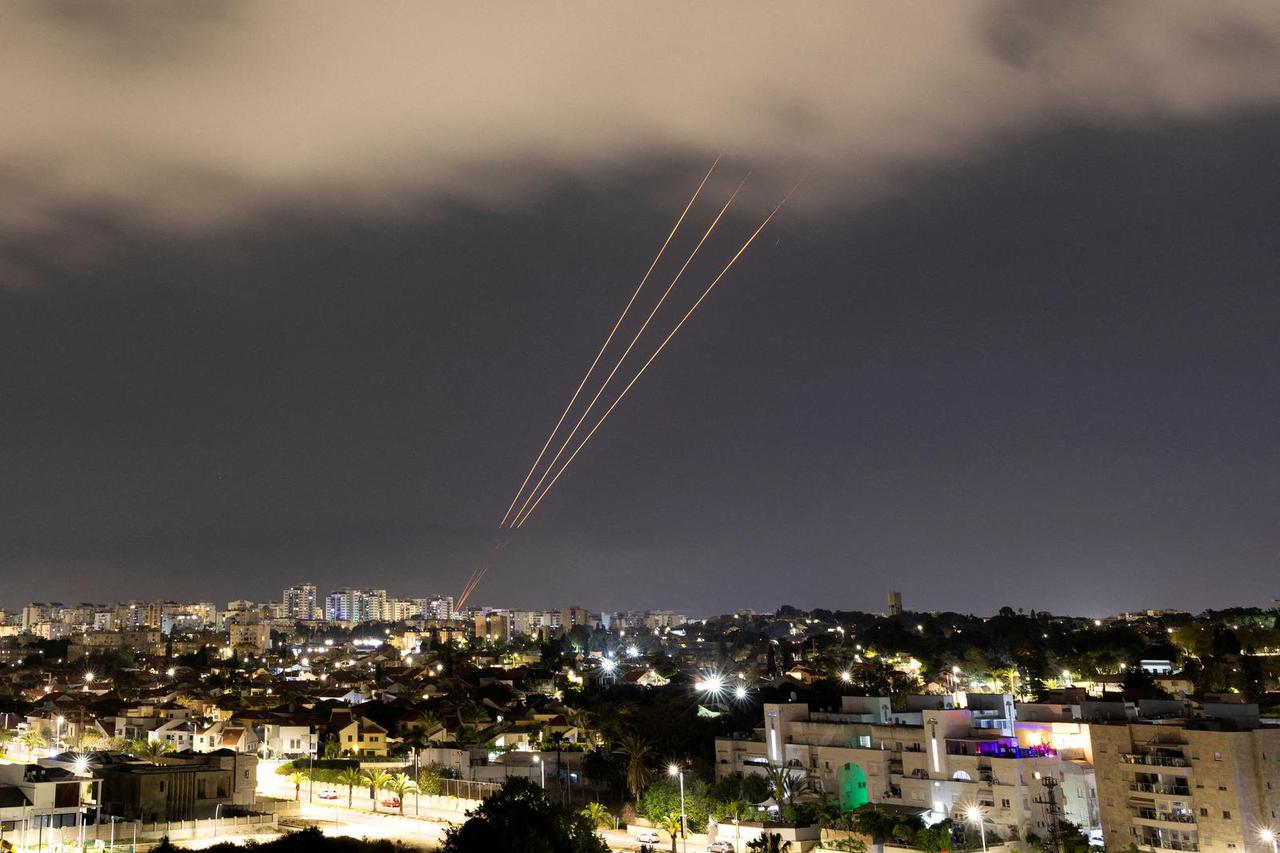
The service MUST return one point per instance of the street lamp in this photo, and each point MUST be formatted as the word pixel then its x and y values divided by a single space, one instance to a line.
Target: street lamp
pixel 542 770
pixel 676 771
pixel 973 814
pixel 1267 835
pixel 57 736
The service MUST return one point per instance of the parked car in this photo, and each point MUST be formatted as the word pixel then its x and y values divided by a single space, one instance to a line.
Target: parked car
pixel 392 802
pixel 648 837
pixel 328 794
pixel 720 847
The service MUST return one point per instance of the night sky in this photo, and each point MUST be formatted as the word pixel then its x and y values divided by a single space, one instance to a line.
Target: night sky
pixel 276 309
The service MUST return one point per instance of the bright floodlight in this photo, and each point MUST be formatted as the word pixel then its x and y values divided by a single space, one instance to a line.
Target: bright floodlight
pixel 88 677
pixel 61 720
pixel 171 672
pixel 973 814
pixel 673 770
pixel 608 665
pixel 955 670
pixel 633 651
pixel 846 676
pixel 740 692
pixel 81 765
pixel 1267 835
pixel 712 684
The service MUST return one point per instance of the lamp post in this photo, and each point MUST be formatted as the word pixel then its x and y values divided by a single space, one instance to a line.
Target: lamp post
pixel 57 734
pixel 974 815
pixel 542 770
pixel 677 771
pixel 1267 835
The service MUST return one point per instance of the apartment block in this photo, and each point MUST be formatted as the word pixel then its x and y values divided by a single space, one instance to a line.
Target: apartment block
pixel 1171 780
pixel 932 758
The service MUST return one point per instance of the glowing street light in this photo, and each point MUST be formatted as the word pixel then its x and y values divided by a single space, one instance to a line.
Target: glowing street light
pixel 542 769
pixel 633 651
pixel 973 814
pixel 675 770
pixel 171 672
pixel 608 665
pixel 1267 835
pixel 740 693
pixel 846 676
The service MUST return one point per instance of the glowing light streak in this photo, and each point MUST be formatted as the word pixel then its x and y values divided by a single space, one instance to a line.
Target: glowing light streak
pixel 547 489
pixel 608 339
pixel 622 358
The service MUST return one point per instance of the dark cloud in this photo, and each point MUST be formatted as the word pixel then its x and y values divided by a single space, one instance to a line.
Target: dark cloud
pixel 208 114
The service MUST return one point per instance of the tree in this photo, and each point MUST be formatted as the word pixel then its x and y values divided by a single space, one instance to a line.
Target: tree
pixel 400 784
pixel 376 780
pixel 557 740
pixel 34 739
pixel 429 779
pixel 149 750
pixel 873 822
pixel 297 777
pixel 637 751
pixel 350 777
pixel 520 819
pixel 670 824
pixel 6 737
pixel 769 842
pixel 332 749
pixel 598 814
pixel 784 784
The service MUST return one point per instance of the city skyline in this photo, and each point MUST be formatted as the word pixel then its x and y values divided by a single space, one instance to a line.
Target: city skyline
pixel 1015 328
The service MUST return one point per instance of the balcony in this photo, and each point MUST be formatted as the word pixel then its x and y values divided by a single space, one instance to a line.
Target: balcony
pixel 1171 790
pixel 1179 817
pixel 1170 844
pixel 1148 760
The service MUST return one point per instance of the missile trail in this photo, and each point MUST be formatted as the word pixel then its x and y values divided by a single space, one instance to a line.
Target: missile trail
pixel 609 338
pixel 525 513
pixel 618 365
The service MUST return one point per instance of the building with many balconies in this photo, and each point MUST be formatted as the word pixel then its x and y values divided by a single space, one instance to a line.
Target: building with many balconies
pixel 1173 780
pixel 934 758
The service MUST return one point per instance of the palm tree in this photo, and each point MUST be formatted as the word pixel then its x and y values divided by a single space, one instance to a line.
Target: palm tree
pixel 428 723
pixel 598 815
pixel 637 751
pixel 351 778
pixel 785 785
pixel 376 780
pixel 400 784
pixel 34 739
pixel 149 750
pixel 671 826
pixel 297 777
pixel 770 842
pixel 6 736
pixel 736 810
pixel 557 740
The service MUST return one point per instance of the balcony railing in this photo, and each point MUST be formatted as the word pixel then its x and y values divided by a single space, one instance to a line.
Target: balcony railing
pixel 1154 760
pixel 1171 817
pixel 1170 844
pixel 1148 788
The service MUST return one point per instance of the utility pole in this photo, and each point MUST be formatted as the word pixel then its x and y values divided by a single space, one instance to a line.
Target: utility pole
pixel 1054 811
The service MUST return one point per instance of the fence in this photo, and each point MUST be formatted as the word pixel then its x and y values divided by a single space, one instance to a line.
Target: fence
pixel 124 834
